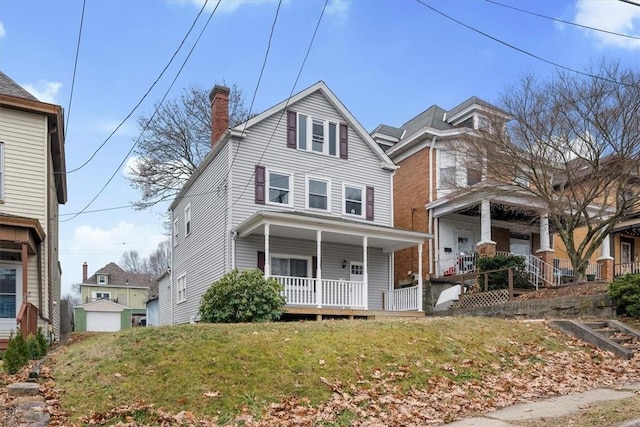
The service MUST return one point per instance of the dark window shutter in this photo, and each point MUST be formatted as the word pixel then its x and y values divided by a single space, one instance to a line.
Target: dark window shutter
pixel 260 183
pixel 370 203
pixel 291 129
pixel 261 261
pixel 314 266
pixel 344 141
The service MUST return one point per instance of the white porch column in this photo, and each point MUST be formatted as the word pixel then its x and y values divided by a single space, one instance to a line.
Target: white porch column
pixel 365 271
pixel 318 268
pixel 544 232
pixel 267 258
pixel 420 277
pixel 605 247
pixel 485 222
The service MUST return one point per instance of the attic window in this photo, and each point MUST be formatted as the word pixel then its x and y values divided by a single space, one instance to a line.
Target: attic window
pixel 468 123
pixel 102 279
pixel 316 135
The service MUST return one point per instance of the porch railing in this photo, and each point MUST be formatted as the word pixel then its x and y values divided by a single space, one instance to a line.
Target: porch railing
pixel 404 299
pixel 333 293
pixel 627 268
pixel 565 269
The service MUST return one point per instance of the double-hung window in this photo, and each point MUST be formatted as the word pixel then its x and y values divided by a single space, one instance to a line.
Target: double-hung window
pixel 102 295
pixel 187 220
pixel 279 185
pixel 181 288
pixel 102 279
pixel 317 135
pixel 176 233
pixel 353 197
pixel 318 191
pixel 447 170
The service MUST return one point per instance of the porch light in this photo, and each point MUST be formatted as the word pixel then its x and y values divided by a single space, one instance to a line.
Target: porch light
pixel 344 264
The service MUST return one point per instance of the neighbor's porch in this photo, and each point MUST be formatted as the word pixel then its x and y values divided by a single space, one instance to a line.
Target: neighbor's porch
pixel 327 264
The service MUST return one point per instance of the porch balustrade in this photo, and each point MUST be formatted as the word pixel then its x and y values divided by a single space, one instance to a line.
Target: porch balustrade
pixel 404 299
pixel 334 293
pixel 627 268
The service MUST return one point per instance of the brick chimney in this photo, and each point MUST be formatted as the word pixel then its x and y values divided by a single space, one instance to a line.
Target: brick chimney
pixel 85 267
pixel 219 97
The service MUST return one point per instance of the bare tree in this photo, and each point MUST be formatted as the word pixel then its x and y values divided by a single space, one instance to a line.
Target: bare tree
pixel 157 263
pixel 176 140
pixel 131 262
pixel 573 147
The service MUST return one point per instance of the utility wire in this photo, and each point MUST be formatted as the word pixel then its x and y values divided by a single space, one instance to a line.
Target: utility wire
pixel 631 2
pixel 284 109
pixel 563 21
pixel 147 92
pixel 255 92
pixel 152 116
pixel 75 67
pixel 539 58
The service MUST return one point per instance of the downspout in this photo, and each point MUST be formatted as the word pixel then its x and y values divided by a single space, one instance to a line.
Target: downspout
pixel 234 236
pixel 40 287
pixel 430 213
pixel 173 249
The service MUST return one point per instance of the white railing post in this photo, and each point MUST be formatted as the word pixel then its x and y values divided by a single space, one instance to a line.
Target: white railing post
pixel 318 268
pixel 420 277
pixel 365 271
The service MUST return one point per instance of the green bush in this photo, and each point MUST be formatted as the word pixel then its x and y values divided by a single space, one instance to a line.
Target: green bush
pixel 42 341
pixel 625 295
pixel 34 347
pixel 242 297
pixel 500 279
pixel 17 354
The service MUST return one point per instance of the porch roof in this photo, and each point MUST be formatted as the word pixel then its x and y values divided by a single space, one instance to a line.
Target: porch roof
pixel 301 225
pixel 466 198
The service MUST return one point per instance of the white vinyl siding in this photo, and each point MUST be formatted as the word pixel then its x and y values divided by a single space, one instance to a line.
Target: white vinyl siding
pixel 1 170
pixel 164 301
pixel 269 149
pixel 24 171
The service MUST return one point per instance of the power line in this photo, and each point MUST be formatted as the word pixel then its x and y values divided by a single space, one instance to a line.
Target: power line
pixel 304 61
pixel 75 66
pixel 255 92
pixel 563 21
pixel 184 39
pixel 631 2
pixel 152 116
pixel 539 58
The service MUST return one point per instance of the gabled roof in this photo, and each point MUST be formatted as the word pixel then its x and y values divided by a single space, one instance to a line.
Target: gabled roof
pixel 9 87
pixel 119 277
pixel 337 104
pixel 389 130
pixel 102 305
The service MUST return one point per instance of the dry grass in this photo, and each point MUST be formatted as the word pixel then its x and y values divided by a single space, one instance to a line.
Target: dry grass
pixel 216 370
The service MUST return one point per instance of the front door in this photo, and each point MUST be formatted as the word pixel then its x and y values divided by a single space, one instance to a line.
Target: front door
pixel 357 272
pixel 520 247
pixel 10 295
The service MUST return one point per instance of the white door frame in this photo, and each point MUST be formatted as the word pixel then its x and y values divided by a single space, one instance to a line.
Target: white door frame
pixel 11 324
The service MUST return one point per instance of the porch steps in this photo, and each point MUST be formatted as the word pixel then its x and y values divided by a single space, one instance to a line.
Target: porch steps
pixel 610 335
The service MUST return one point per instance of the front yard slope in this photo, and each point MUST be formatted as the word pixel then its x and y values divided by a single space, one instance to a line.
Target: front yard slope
pixel 330 373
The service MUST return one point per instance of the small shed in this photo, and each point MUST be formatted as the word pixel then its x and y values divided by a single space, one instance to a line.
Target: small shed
pixel 102 316
pixel 152 312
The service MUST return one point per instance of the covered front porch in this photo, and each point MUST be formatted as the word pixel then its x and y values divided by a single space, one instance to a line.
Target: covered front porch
pixel 328 263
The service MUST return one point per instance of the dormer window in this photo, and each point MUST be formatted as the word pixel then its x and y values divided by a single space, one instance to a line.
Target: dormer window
pixel 102 279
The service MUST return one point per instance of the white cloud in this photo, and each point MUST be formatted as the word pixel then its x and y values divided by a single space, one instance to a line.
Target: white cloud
pixel 99 246
pixel 43 90
pixel 2 31
pixel 615 16
pixel 338 10
pixel 131 166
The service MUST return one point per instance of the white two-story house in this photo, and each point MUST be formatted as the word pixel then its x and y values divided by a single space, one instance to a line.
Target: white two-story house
pixel 32 186
pixel 302 192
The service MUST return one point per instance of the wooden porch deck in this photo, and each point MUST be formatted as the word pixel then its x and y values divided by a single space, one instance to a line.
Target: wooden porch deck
pixel 350 314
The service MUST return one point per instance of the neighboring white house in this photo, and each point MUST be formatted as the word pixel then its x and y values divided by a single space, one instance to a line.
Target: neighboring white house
pixel 32 186
pixel 301 191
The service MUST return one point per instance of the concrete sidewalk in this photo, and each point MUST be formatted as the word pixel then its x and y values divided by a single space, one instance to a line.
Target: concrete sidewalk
pixel 554 407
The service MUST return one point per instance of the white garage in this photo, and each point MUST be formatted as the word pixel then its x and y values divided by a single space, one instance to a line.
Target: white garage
pixel 102 316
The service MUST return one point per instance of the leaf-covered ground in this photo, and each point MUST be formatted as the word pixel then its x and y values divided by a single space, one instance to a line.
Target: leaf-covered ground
pixel 321 373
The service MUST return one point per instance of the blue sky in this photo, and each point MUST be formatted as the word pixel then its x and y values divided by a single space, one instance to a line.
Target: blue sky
pixel 387 60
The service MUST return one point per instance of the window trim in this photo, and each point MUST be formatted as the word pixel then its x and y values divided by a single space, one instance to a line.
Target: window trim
pixel 188 228
pixel 181 288
pixel 309 260
pixel 267 197
pixel 363 201
pixel 102 276
pixel 443 185
pixel 327 181
pixel 176 232
pixel 103 295
pixel 326 137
